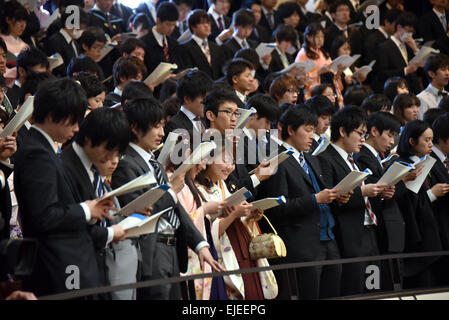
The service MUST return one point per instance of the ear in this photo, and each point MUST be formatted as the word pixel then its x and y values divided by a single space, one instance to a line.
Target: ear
pixel 374 132
pixel 210 116
pixel 22 73
pixel 290 131
pixel 411 141
pixel 187 100
pixel 85 47
pixel 135 131
pixel 342 132
pixel 234 79
pixel 431 74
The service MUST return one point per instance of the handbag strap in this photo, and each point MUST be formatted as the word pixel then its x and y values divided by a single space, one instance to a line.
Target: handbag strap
pixel 275 232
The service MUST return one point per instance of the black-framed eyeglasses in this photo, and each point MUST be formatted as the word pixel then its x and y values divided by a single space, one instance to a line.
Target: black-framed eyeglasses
pixel 228 112
pixel 361 133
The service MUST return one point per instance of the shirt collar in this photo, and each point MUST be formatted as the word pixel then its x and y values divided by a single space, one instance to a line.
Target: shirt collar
pixel 249 133
pixel 432 90
pixel 214 14
pixel 439 14
pixel 316 137
pixel 66 36
pixel 439 154
pixel 199 41
pixel 159 37
pixel 265 11
pixel 239 41
pixel 241 96
pixel 146 155
pixel 49 139
pixel 17 83
pixel 386 35
pixel 84 160
pixel 341 152
pixel 370 148
pixel 396 41
pixel 340 28
pixel 118 91
pixel 188 113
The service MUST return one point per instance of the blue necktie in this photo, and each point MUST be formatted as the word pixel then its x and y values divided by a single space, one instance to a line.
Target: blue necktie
pixel 303 163
pixel 98 186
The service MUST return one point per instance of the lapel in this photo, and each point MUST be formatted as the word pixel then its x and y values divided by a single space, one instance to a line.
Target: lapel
pixel 83 176
pixel 373 160
pixel 197 52
pixel 145 167
pixel 338 159
pixel 296 167
pixel 439 170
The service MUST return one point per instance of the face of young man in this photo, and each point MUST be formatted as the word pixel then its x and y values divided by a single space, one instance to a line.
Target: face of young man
pixel 183 11
pixel 352 141
pixel 424 144
pixel 225 119
pixel 202 30
pixel 95 50
pixel 323 124
pixel 290 96
pixel 166 27
pixel 244 32
pixel 152 138
pixel 107 169
pixel 62 131
pixel 105 5
pixel 269 4
pixel 257 10
pixel 293 20
pixel 2 61
pixel 243 82
pixel 99 155
pixel 222 6
pixel 443 146
pixel 139 53
pixel 196 105
pixel 342 15
pixel 382 142
pixel 440 78
pixel 301 138
pixel 257 124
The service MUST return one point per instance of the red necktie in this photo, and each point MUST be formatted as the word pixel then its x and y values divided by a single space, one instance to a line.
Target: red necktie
pixel 165 48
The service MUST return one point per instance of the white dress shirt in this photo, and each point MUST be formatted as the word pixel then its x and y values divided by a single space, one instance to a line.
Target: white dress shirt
pixel 191 116
pixel 69 40
pixel 159 37
pixel 429 99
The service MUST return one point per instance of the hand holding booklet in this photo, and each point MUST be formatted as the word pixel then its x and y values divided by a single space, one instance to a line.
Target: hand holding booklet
pixel 306 66
pixel 395 173
pixel 427 162
pixel 19 119
pixel 422 55
pixel 345 61
pixel 277 160
pixel 234 199
pixel 202 151
pixel 352 180
pixel 136 224
pixel 140 182
pixel 169 145
pixel 264 49
pixel 321 147
pixel 245 116
pixel 268 203
pixel 160 74
pixel 147 199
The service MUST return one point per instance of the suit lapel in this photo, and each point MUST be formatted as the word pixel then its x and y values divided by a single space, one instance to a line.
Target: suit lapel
pixel 83 175
pixel 138 159
pixel 200 54
pixel 296 167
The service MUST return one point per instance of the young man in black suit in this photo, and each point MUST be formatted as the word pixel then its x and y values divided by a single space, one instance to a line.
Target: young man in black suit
pixel 103 136
pixel 356 221
pixel 382 128
pixel 285 36
pixel 243 22
pixel 46 196
pixel 240 76
pixel 268 19
pixel 305 222
pixel 164 252
pixel 101 16
pixel 200 52
pixel 220 22
pixel 324 109
pixel 433 24
pixel 159 45
pixel 394 54
pixel 191 91
pixel 184 7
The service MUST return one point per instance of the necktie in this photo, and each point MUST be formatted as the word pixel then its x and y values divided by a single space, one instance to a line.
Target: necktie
pixel 199 124
pixel 270 20
pixel 367 203
pixel 98 186
pixel 172 216
pixel 206 51
pixel 244 44
pixel 165 49
pixel 446 164
pixel 220 23
pixel 404 53
pixel 443 22
pixel 303 163
pixel 284 60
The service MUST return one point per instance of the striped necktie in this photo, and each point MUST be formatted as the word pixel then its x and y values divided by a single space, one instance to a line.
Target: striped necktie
pixel 303 163
pixel 165 49
pixel 98 186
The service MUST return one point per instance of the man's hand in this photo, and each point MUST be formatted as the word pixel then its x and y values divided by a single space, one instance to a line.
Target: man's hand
pixel 255 215
pixel 411 68
pixel 205 256
pixel 413 175
pixel 440 189
pixel 226 34
pixel 373 189
pixel 8 146
pixel 119 233
pixel 178 183
pixel 146 212
pixel 100 209
pixel 264 170
pixel 326 195
pixel 344 198
pixel 21 295
pixel 267 59
pixel 388 193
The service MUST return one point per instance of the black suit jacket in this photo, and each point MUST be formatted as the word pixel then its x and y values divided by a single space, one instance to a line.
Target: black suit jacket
pixel 51 213
pixel 179 121
pixel 391 226
pixel 57 44
pixel 264 23
pixel 156 53
pixel 297 221
pixel 193 56
pixel 354 37
pixel 231 46
pixel 350 216
pixel 99 19
pixel 133 166
pixel 215 29
pixel 124 12
pixel 14 94
pixel 430 27
pixel 442 44
pixel 390 63
pixel 276 62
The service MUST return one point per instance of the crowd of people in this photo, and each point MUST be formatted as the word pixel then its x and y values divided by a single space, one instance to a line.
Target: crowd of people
pixel 99 121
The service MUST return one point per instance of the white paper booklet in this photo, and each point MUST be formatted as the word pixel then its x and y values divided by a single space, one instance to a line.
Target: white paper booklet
pixel 202 151
pixel 19 119
pixel 365 70
pixel 136 224
pixel 321 147
pixel 427 162
pixel 160 74
pixel 55 61
pixel 184 72
pixel 422 55
pixel 147 199
pixel 277 160
pixel 234 199
pixel 264 48
pixel 185 36
pixel 107 48
pixel 345 60
pixel 395 173
pixel 307 66
pixel 268 203
pixel 169 145
pixel 138 183
pixel 245 116
pixel 352 180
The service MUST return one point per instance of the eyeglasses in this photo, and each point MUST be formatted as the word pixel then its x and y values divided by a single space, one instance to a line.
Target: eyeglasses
pixel 362 134
pixel 235 113
pixel 292 91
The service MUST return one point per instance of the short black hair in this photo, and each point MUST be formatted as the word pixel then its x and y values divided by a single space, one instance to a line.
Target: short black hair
pixel 90 35
pixel 287 9
pixel 105 125
pixel 389 15
pixel 375 102
pixel 171 107
pixel 63 99
pixel 2 81
pixel 144 114
pixel 265 105
pixel 406 19
pixel 250 55
pixel 168 89
pixel 193 84
pixel 383 121
pixel 444 104
pixel 348 118
pixel 14 11
pixel 431 114
pixel 243 18
pixel 440 128
pixel 295 117
pixel 130 44
pixel 32 82
pixel 135 90
pixel 196 17
pixel 189 3
pixel 355 94
pixel 167 11
pixel 4 117
pixel 83 63
pixel 435 62
pixel 334 6
pixel 216 98
pixel 412 130
pixel 236 67
pixel 391 86
pixel 30 58
pixel 320 105
pixel 91 84
pixel 125 67
pixel 142 21
pixel 285 32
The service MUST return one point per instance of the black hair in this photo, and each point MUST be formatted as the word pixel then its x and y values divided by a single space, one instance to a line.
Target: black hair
pixel 105 125
pixel 91 84
pixel 266 106
pixel 376 102
pixel 355 94
pixel 320 105
pixel 295 117
pixel 130 44
pixel 4 117
pixel 383 121
pixel 32 82
pixel 337 43
pixel 440 128
pixel 167 11
pixel 135 90
pixel 142 21
pixel 196 17
pixel 348 118
pixel 83 63
pixel 171 107
pixel 431 114
pixel 243 18
pixel 189 3
pixel 391 86
pixel 125 67
pixel 406 19
pixel 168 89
pixel 144 114
pixel 287 9
pixel 83 16
pixel 2 81
pixel 285 32
pixel 268 80
pixel 216 98
pixel 312 30
pixel 14 11
pixel 236 67
pixel 63 99
pixel 90 35
pixel 30 58
pixel 334 6
pixel 389 15
pixel 192 85
pixel 250 55
pixel 402 102
pixel 3 45
pixel 444 104
pixel 435 62
pixel 412 130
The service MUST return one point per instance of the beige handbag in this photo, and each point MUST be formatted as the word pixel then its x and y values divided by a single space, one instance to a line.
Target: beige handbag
pixel 267 245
